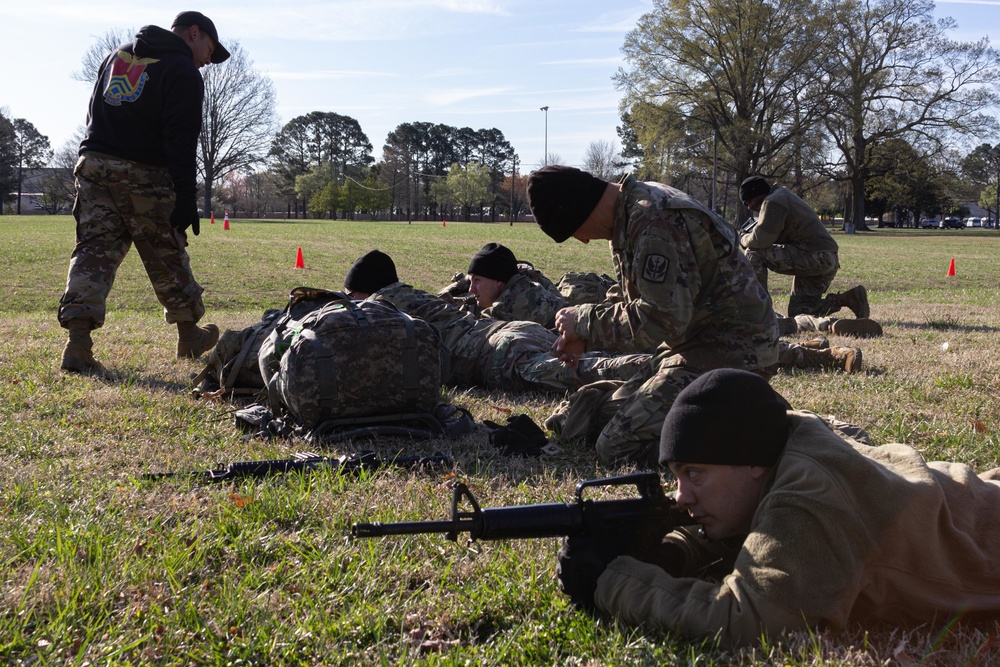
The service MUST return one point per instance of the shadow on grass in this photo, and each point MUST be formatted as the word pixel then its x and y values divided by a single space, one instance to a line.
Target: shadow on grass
pixel 133 378
pixel 947 325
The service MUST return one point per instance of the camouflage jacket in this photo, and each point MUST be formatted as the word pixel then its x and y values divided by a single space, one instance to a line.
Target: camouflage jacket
pixel 527 300
pixel 585 287
pixel 465 335
pixel 785 219
pixel 687 289
pixel 527 297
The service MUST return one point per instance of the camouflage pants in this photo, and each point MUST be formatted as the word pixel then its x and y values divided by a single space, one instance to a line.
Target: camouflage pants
pixel 517 357
pixel 813 273
pixel 641 406
pixel 790 355
pixel 625 418
pixel 801 324
pixel 120 203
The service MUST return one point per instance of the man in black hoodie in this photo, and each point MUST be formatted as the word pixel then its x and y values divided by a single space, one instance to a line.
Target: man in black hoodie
pixel 135 183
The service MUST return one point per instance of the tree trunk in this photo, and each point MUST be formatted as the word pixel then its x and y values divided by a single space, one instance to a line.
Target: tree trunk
pixel 209 177
pixel 854 218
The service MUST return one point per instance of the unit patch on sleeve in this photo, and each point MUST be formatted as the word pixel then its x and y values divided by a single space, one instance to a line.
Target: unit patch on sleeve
pixel 655 268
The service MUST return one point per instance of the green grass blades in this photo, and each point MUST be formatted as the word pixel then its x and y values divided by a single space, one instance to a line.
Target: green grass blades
pixel 100 567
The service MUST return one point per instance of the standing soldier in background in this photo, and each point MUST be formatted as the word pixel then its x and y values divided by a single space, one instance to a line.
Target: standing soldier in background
pixel 688 297
pixel 135 183
pixel 788 237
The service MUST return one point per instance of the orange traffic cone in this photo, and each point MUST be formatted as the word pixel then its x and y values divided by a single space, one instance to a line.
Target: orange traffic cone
pixel 226 225
pixel 299 263
pixel 951 267
pixel 213 217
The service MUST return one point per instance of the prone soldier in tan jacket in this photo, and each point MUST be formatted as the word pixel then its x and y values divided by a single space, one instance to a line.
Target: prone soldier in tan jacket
pixel 802 527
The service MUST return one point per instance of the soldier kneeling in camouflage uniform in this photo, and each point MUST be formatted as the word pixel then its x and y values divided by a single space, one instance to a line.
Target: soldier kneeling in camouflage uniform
pixel 689 297
pixel 788 237
pixel 486 352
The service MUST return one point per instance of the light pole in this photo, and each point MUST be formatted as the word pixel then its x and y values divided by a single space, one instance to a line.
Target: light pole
pixel 545 157
pixel 513 179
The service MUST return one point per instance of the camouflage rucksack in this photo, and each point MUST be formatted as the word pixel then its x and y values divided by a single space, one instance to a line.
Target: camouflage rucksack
pixel 352 359
pixel 580 288
pixel 234 364
pixel 528 269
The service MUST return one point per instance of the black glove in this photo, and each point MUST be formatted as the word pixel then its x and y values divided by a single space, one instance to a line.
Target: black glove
pixel 520 437
pixel 185 214
pixel 582 559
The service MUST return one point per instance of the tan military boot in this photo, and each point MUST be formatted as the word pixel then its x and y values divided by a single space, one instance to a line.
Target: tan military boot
pixel 193 341
pixel 78 357
pixel 856 299
pixel 859 328
pixel 847 359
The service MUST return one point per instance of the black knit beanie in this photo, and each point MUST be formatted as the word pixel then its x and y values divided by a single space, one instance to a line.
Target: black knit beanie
pixel 370 273
pixel 725 417
pixel 753 186
pixel 562 198
pixel 493 261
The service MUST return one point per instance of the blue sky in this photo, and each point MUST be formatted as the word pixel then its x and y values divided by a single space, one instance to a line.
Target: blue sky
pixel 467 63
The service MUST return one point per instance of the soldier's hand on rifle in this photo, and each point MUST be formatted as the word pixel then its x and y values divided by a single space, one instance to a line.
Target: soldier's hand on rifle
pixel 582 559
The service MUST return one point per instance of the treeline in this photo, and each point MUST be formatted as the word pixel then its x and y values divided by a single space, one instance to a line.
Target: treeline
pixel 864 108
pixel 859 104
pixel 322 165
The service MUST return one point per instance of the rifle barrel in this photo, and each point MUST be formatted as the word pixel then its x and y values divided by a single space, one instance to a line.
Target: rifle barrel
pixel 402 528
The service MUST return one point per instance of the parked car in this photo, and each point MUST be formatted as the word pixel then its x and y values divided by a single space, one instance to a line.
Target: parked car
pixel 952 223
pixel 973 222
pixel 928 223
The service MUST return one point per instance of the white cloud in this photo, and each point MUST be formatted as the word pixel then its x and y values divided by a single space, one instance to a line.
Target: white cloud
pixel 446 97
pixel 303 75
pixel 611 60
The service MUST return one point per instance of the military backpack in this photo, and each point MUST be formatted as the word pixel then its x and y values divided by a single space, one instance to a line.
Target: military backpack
pixel 352 359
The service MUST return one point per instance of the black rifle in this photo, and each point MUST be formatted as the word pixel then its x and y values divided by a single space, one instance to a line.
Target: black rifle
pixel 639 523
pixel 353 464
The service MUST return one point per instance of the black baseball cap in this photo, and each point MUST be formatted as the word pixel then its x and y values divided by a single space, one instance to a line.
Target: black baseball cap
pixel 197 18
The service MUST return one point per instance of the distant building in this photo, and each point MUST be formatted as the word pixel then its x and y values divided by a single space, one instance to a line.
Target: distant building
pixel 45 190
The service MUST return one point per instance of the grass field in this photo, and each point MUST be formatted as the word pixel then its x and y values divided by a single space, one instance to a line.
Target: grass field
pixel 99 567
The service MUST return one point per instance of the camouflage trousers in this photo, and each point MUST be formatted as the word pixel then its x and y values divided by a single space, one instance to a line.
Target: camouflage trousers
pixel 801 324
pixel 813 273
pixel 517 357
pixel 791 355
pixel 120 203
pixel 625 418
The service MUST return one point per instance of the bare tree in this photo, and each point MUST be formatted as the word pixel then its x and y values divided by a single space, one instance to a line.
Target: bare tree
pixel 110 41
pixel 900 77
pixel 602 159
pixel 746 70
pixel 238 119
pixel 59 187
